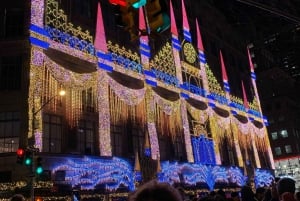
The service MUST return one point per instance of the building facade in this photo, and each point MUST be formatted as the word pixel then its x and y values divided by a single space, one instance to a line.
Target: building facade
pixel 281 105
pixel 133 111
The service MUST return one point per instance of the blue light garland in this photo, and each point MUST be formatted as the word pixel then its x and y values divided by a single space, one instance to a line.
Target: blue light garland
pixel 90 172
pixel 263 178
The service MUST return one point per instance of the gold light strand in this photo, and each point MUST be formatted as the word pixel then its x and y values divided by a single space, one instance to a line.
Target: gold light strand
pixel 121 112
pixel 168 124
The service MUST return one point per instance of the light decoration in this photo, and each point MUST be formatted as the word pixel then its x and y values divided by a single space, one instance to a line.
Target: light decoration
pixel 72 51
pixel 56 18
pixel 151 123
pixel 203 150
pixel 104 115
pixel 144 40
pixel 224 75
pixel 126 63
pixel 186 27
pixel 37 57
pixel 167 106
pixel 165 77
pixel 38 140
pixel 129 96
pixel 263 178
pixel 163 66
pixel 186 131
pixel 37 13
pixel 12 185
pixel 193 174
pixel 165 74
pixel 195 89
pixel 235 176
pixel 89 172
pixel 68 78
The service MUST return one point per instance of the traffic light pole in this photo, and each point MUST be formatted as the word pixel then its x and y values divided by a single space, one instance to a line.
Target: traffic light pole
pixel 31 142
pixel 147 21
pixel 32 178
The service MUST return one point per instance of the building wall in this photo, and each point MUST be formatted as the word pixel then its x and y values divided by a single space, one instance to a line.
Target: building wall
pixel 111 108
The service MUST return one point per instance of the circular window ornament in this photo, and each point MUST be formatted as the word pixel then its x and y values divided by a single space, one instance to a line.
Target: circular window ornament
pixel 189 52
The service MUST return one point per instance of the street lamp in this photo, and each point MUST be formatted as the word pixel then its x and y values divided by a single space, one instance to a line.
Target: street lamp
pixel 32 148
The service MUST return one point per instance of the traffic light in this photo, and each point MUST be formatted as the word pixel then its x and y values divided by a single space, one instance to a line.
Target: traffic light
pixel 20 155
pixel 158 20
pixel 118 2
pixel 28 158
pixel 124 17
pixel 39 168
pixel 138 4
pixel 125 14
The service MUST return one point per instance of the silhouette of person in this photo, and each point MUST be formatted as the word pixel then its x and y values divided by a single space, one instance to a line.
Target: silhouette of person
pixel 17 197
pixel 155 191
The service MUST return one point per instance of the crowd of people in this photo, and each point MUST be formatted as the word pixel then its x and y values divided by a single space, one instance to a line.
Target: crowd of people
pixel 283 189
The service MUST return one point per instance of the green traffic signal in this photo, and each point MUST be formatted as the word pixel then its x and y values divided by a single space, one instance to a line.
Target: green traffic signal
pixel 39 170
pixel 28 161
pixel 28 158
pixel 139 3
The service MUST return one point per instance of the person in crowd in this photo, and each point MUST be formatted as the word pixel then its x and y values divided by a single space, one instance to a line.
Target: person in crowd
pixel 260 193
pixel 247 194
pixel 268 195
pixel 155 191
pixel 286 186
pixel 17 197
pixel 297 196
pixel 287 196
pixel 235 196
pixel 274 192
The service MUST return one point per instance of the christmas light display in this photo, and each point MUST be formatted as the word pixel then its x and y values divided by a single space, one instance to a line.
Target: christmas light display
pixel 88 172
pixel 194 174
pixel 263 178
pixel 164 70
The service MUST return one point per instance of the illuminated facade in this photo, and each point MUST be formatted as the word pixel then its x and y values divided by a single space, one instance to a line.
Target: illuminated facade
pixel 136 114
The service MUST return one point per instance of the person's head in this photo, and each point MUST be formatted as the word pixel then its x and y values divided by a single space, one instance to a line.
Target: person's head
pixel 260 193
pixel 17 197
pixel 155 191
pixel 286 185
pixel 246 193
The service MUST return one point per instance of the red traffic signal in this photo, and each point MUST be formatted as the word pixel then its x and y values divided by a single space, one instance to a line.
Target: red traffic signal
pixel 118 2
pixel 20 155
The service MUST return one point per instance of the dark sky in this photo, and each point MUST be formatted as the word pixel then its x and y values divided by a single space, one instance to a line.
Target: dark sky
pixel 272 25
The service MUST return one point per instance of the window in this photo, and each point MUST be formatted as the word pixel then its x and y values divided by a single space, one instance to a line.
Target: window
pixel 9 131
pixel 281 118
pixel 88 100
pixel 288 149
pixel 278 151
pixel 12 22
pixel 116 140
pixel 10 73
pixel 274 136
pixel 138 140
pixel 86 133
pixel 284 133
pixel 52 136
pixel 278 105
pixel 179 149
